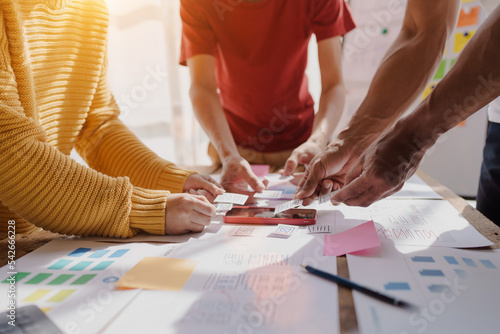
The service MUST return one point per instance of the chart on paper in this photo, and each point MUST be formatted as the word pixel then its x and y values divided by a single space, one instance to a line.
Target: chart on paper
pixel 443 282
pixel 76 275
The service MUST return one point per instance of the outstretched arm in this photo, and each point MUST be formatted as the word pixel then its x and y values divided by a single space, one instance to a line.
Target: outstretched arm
pixel 209 112
pixel 402 75
pixel 331 105
pixel 473 82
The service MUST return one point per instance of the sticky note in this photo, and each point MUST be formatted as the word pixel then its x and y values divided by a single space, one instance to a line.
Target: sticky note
pixel 260 170
pixel 440 71
pixel 231 198
pixel 428 90
pixel 355 239
pixel 468 17
pixel 158 273
pixel 461 40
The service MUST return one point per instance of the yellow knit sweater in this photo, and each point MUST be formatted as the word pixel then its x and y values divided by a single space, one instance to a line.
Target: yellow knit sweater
pixel 54 97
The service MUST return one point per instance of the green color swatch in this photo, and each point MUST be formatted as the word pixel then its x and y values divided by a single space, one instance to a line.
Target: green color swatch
pixel 18 277
pixel 103 265
pixel 441 70
pixel 38 278
pixel 60 279
pixel 83 279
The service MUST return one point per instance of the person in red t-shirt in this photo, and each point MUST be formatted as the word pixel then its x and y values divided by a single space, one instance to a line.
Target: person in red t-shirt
pixel 255 53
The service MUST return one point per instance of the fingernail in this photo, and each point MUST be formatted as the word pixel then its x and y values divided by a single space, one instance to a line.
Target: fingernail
pixel 336 187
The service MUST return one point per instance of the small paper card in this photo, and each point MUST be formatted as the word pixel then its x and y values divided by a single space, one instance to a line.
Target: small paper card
pixel 288 205
pixel 283 231
pixel 316 229
pixel 269 194
pixel 325 198
pixel 222 208
pixel 244 231
pixel 231 198
pixel 276 178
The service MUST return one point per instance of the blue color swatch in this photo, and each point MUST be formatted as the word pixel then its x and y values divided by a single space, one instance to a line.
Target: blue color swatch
pixel 461 273
pixel 469 262
pixel 451 260
pixel 79 252
pixel 119 253
pixel 99 253
pixel 438 288
pixel 397 286
pixel 431 272
pixel 488 264
pixel 422 259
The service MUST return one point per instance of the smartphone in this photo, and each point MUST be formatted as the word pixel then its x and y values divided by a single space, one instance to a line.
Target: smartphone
pixel 266 216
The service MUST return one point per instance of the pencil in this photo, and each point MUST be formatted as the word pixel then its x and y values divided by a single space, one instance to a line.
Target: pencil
pixel 367 291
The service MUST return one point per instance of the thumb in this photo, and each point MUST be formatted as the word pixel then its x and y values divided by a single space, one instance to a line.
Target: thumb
pixel 210 187
pixel 253 181
pixel 290 165
pixel 309 182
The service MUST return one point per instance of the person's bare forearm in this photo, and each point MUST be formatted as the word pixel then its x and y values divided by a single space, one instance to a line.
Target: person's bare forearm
pixel 472 83
pixel 405 69
pixel 208 111
pixel 330 109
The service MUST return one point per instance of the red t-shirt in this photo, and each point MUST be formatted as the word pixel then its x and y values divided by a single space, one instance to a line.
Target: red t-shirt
pixel 260 51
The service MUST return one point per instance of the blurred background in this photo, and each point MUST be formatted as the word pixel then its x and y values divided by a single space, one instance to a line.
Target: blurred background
pixel 152 89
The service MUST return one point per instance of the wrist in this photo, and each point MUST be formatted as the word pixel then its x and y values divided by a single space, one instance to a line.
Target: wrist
pixel 227 159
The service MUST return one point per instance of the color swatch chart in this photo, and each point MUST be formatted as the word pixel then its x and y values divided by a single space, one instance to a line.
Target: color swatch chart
pixel 436 273
pixel 453 288
pixel 62 277
pixel 72 280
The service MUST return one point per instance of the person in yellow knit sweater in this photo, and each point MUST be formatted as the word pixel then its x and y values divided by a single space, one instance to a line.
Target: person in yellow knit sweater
pixel 54 97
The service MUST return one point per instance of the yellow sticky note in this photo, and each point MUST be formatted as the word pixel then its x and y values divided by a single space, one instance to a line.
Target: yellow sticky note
pixel 428 90
pixel 461 40
pixel 158 273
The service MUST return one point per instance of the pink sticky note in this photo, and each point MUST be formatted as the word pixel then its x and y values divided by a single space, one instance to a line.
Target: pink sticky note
pixel 355 239
pixel 260 170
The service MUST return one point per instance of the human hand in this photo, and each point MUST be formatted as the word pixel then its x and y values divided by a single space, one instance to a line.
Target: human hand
pixel 302 155
pixel 382 169
pixel 327 171
pixel 237 174
pixel 203 185
pixel 187 213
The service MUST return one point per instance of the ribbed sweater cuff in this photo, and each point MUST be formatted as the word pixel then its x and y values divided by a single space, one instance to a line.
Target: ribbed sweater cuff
pixel 148 210
pixel 173 179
